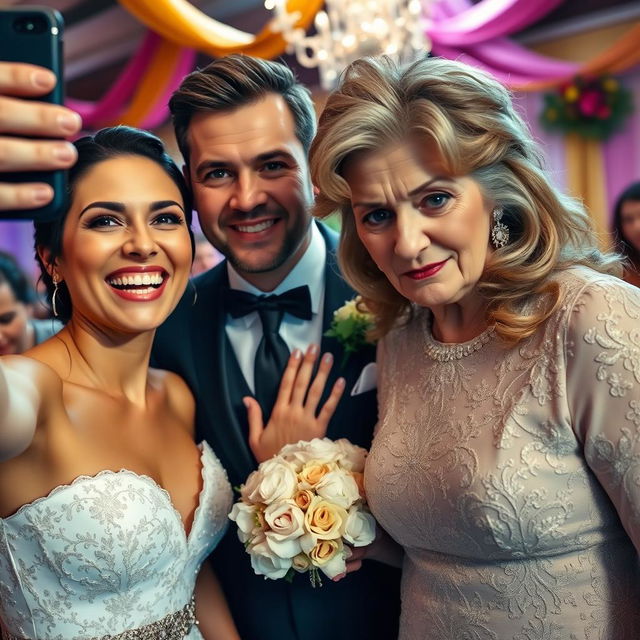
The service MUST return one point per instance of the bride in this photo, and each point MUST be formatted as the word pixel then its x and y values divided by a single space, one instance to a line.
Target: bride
pixel 112 507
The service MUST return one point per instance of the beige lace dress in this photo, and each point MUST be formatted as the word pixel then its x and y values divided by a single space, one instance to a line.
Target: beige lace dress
pixel 511 476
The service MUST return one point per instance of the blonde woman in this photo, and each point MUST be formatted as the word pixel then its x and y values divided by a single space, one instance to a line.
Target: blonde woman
pixel 506 459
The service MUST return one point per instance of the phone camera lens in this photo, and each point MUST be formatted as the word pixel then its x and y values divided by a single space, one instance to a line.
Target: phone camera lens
pixel 30 24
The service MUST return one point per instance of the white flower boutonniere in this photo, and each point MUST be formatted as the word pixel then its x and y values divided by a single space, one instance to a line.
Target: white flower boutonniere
pixel 350 326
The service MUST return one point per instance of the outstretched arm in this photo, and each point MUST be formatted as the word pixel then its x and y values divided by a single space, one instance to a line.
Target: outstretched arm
pixel 19 406
pixel 213 615
pixel 295 415
pixel 24 121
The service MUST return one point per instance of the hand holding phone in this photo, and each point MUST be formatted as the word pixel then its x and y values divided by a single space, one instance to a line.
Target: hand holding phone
pixel 32 132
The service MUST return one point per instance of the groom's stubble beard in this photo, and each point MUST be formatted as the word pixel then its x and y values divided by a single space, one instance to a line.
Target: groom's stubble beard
pixel 293 237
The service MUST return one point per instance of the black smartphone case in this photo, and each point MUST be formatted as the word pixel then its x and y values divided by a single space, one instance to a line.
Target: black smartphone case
pixel 40 45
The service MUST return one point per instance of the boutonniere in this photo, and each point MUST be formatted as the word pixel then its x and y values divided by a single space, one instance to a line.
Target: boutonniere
pixel 350 325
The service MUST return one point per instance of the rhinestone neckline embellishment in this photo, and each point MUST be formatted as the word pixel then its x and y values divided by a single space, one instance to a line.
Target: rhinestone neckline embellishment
pixel 443 352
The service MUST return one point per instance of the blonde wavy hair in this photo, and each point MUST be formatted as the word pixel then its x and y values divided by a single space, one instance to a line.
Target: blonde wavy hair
pixel 471 120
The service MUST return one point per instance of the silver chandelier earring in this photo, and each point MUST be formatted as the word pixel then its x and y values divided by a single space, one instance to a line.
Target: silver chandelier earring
pixel 499 230
pixel 54 296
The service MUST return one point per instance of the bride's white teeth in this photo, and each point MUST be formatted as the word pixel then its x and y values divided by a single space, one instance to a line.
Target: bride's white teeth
pixel 137 280
pixel 254 228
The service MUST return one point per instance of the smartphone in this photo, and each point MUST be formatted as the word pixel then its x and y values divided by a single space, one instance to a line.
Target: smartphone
pixel 34 34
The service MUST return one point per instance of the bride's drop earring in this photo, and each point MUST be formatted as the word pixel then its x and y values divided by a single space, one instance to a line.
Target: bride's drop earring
pixel 54 296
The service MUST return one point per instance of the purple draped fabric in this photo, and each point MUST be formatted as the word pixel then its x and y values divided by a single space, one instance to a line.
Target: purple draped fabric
pixel 473 44
pixel 486 20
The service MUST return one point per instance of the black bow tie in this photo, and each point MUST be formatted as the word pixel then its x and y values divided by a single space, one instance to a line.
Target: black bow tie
pixel 296 301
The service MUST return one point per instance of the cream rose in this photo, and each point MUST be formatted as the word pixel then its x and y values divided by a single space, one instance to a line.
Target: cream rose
pixel 338 487
pixel 360 527
pixel 250 485
pixel 301 563
pixel 302 452
pixel 324 519
pixel 286 524
pixel 245 516
pixel 268 564
pixel 277 481
pixel 350 456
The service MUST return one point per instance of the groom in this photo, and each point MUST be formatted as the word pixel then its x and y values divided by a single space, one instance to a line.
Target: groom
pixel 244 127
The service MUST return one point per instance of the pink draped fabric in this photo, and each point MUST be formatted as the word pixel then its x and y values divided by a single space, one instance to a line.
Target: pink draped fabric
pixel 114 100
pixel 160 112
pixel 472 34
pixel 488 19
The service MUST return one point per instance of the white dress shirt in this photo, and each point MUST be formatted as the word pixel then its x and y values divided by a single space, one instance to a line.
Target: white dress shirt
pixel 245 332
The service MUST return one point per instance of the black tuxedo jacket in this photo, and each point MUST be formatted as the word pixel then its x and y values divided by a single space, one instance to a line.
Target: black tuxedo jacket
pixel 193 343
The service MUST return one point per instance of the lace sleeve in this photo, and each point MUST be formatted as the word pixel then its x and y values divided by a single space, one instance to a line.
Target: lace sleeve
pixel 603 388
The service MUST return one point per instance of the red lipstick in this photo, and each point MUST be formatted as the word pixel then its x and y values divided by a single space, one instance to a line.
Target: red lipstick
pixel 426 271
pixel 138 291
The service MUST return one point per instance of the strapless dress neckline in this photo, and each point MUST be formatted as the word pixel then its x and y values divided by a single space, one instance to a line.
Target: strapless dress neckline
pixel 205 451
pixel 106 553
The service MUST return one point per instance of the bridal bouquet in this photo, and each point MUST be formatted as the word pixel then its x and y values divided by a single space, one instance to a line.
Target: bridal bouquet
pixel 299 508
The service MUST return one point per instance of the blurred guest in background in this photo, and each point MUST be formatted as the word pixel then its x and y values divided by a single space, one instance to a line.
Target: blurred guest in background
pixel 19 330
pixel 626 227
pixel 206 256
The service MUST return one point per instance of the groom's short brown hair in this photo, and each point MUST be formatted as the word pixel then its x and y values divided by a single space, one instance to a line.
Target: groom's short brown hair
pixel 234 81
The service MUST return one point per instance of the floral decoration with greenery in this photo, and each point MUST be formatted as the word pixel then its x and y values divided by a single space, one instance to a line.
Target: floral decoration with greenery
pixel 592 107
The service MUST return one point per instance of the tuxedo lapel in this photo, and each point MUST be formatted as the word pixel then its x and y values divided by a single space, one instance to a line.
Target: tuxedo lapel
pixel 218 419
pixel 337 292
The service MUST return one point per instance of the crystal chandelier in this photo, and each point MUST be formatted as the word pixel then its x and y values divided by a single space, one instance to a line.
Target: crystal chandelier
pixel 350 29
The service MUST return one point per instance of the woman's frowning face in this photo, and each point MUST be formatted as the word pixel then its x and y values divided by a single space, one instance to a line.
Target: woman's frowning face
pixel 126 250
pixel 425 230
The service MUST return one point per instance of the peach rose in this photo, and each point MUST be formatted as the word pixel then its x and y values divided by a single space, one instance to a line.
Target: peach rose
pixel 303 498
pixel 359 478
pixel 324 519
pixel 327 555
pixel 312 473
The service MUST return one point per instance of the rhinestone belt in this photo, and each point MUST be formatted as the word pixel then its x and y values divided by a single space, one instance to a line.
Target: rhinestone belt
pixel 174 626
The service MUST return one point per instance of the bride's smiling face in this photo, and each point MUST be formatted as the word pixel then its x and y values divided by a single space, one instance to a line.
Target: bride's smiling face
pixel 126 250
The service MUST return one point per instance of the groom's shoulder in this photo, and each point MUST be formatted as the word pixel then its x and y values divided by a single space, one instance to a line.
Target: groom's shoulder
pixel 211 281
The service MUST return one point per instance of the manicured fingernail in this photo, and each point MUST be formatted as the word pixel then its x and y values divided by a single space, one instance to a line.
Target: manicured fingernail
pixel 69 122
pixel 312 350
pixel 64 152
pixel 296 354
pixel 41 194
pixel 327 358
pixel 43 79
pixel 340 382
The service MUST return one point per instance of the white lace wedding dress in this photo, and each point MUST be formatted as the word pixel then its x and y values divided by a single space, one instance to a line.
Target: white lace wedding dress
pixel 107 555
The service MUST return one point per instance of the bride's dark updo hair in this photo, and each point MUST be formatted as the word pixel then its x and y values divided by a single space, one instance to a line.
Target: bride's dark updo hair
pixel 108 143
